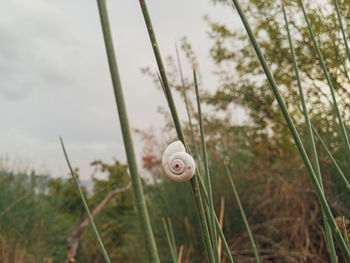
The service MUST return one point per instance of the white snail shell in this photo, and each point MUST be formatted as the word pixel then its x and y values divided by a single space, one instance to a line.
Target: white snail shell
pixel 178 165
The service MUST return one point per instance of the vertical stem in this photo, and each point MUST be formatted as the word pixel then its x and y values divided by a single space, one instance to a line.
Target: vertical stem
pixel 342 29
pixel 255 250
pixel 92 223
pixel 186 101
pixel 176 120
pixel 294 132
pixel 206 170
pixel 343 133
pixel 171 246
pixel 337 168
pixel 329 237
pixel 217 223
pixel 221 221
pixel 124 123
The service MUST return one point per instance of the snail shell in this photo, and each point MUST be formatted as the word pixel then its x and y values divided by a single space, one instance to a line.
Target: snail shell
pixel 178 165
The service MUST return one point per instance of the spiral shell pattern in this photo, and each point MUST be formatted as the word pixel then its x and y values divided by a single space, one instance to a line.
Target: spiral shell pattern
pixel 178 165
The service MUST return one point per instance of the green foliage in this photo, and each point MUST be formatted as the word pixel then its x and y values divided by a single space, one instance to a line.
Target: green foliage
pixel 30 224
pixel 117 222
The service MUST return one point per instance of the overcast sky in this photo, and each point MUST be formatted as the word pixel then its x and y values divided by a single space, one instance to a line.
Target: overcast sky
pixel 54 77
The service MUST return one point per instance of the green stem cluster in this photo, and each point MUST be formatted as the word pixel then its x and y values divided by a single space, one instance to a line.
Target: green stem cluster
pixel 342 29
pixel 194 181
pixel 343 133
pixel 169 232
pixel 245 221
pixel 329 237
pixel 206 171
pixel 323 202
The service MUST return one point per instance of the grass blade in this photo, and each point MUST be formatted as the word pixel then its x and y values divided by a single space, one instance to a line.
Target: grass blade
pixel 92 223
pixel 343 133
pixel 217 223
pixel 281 103
pixel 170 241
pixel 206 170
pixel 334 162
pixel 176 120
pixel 342 29
pixel 171 230
pixel 128 144
pixel 251 238
pixel 186 100
pixel 329 237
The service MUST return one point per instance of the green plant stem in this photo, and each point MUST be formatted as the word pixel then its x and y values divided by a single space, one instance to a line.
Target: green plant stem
pixel 217 223
pixel 194 181
pixel 171 245
pixel 171 230
pixel 343 133
pixel 172 236
pixel 251 238
pixel 342 29
pixel 186 101
pixel 329 237
pixel 334 162
pixel 206 170
pixel 128 144
pixel 332 39
pixel 313 177
pixel 92 223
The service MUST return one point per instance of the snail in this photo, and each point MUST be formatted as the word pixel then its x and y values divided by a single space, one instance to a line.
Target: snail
pixel 178 165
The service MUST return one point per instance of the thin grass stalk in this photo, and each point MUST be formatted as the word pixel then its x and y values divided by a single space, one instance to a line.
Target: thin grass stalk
pixel 217 223
pixel 334 162
pixel 346 233
pixel 186 100
pixel 194 181
pixel 332 39
pixel 171 246
pixel 323 202
pixel 181 250
pixel 92 223
pixel 342 29
pixel 128 144
pixel 343 133
pixel 241 210
pixel 221 222
pixel 206 169
pixel 313 149
pixel 171 230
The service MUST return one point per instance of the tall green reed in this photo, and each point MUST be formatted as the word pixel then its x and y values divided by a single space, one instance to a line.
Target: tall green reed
pixel 343 133
pixel 206 169
pixel 168 228
pixel 217 223
pixel 334 162
pixel 86 207
pixel 323 202
pixel 313 149
pixel 186 101
pixel 342 29
pixel 128 144
pixel 194 181
pixel 206 198
pixel 244 217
